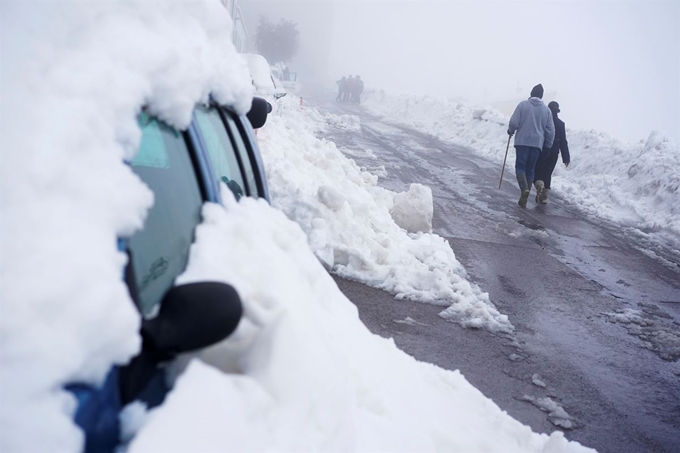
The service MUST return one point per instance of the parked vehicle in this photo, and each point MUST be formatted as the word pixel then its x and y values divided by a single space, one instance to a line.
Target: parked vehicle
pixel 266 84
pixel 183 169
pixel 287 79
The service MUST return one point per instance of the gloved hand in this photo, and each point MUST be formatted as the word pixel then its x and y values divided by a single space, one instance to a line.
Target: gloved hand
pixel 510 133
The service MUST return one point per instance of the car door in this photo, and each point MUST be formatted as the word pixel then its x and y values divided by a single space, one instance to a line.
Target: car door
pixel 173 165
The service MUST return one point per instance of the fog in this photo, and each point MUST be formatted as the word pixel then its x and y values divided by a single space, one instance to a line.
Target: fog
pixel 613 66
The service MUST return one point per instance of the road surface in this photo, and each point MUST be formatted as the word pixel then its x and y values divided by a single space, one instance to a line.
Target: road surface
pixel 567 282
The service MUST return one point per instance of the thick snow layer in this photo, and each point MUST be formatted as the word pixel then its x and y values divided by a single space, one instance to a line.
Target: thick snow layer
pixel 74 77
pixel 636 184
pixel 302 373
pixel 260 73
pixel 346 216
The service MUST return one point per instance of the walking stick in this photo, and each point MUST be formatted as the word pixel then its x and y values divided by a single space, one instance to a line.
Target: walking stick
pixel 504 159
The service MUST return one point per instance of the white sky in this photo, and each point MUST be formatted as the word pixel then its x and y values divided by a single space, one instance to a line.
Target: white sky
pixel 615 65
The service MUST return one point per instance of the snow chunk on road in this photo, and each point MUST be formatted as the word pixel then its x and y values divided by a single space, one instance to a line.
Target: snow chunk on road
pixel 537 381
pixel 413 210
pixel 556 413
pixel 346 216
pixel 345 122
pixel 411 322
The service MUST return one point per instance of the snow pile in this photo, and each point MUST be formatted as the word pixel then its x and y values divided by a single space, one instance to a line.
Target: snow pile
pixel 346 216
pixel 302 373
pixel 413 210
pixel 346 122
pixel 74 76
pixel 637 184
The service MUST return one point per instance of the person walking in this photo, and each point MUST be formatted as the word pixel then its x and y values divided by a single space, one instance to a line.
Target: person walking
pixel 548 159
pixel 349 88
pixel 533 122
pixel 342 87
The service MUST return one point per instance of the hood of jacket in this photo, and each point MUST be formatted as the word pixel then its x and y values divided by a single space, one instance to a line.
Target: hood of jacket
pixel 536 101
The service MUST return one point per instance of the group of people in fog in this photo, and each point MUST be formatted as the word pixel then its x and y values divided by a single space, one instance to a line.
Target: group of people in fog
pixel 350 89
pixel 540 137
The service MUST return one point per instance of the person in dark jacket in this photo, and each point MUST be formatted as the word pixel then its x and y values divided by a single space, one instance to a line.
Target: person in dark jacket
pixel 349 88
pixel 533 123
pixel 548 159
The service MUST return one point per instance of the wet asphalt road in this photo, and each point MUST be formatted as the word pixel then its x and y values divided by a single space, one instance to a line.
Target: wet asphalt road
pixel 555 273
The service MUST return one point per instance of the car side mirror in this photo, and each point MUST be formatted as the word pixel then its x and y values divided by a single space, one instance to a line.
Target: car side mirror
pixel 257 115
pixel 191 317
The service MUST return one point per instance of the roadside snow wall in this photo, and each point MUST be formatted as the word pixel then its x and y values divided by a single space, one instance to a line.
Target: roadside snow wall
pixel 350 221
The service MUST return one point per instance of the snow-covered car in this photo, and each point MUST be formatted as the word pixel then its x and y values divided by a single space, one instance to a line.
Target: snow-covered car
pixel 264 81
pixel 183 169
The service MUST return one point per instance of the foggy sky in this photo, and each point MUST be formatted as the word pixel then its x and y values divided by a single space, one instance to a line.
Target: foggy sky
pixel 615 65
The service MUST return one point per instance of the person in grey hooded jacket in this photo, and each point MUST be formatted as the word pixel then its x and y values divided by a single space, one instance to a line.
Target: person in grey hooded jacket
pixel 535 129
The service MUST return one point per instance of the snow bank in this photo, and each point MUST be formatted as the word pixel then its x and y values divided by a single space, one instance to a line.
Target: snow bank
pixel 346 216
pixel 302 373
pixel 636 184
pixel 74 76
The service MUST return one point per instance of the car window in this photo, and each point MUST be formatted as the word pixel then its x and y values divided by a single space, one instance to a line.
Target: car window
pixel 220 149
pixel 160 250
pixel 243 154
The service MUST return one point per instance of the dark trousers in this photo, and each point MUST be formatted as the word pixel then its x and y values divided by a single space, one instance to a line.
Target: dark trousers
pixel 526 161
pixel 545 167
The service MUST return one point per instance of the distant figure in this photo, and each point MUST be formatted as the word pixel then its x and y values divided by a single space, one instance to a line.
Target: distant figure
pixel 548 159
pixel 349 87
pixel 342 87
pixel 358 89
pixel 533 122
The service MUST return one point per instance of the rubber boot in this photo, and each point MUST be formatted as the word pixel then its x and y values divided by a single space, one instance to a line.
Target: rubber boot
pixel 544 196
pixel 540 186
pixel 524 187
